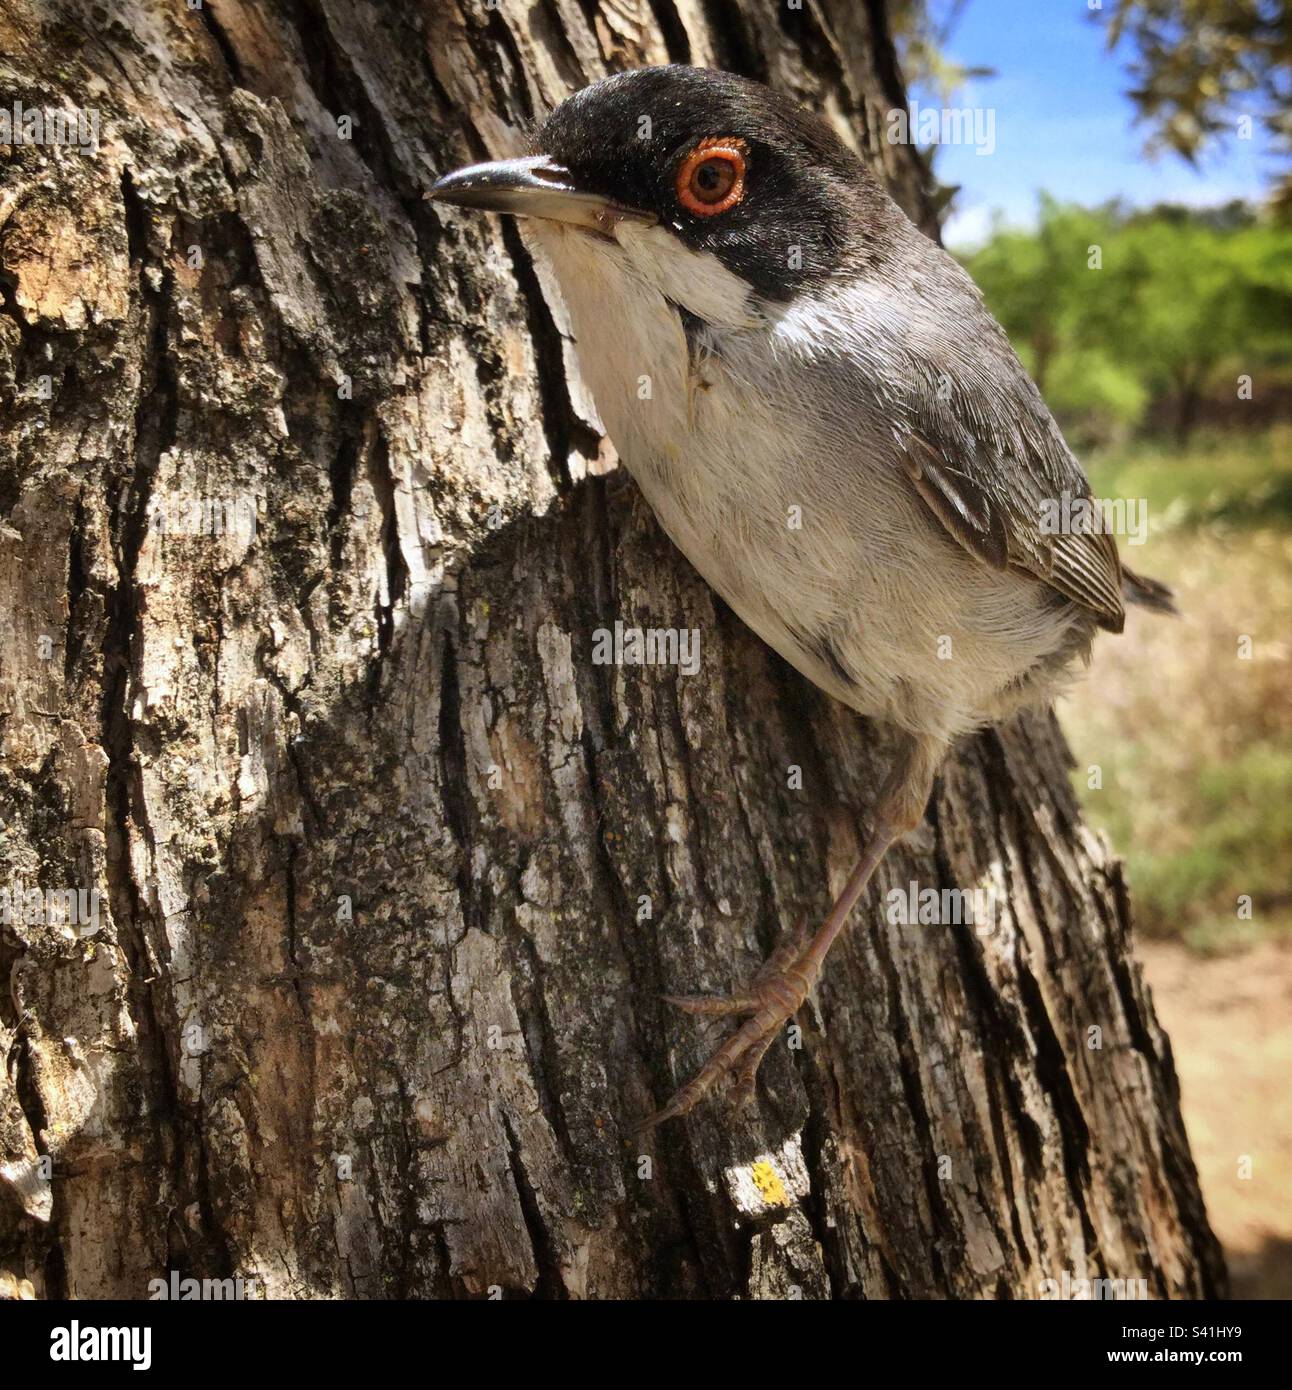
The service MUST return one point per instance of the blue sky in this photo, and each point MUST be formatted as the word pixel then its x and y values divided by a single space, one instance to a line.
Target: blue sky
pixel 1064 124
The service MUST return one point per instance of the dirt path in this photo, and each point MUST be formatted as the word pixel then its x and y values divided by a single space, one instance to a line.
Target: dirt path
pixel 1230 1022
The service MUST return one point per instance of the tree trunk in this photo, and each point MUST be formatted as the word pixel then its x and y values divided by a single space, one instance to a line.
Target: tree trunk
pixel 306 526
pixel 1186 407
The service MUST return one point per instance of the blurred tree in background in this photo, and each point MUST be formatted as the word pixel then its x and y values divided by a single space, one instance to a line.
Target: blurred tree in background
pixel 1114 312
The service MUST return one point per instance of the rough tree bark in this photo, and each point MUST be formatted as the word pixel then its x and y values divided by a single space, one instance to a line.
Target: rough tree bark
pixel 373 1005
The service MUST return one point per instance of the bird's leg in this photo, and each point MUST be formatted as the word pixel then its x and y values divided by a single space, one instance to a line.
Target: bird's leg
pixel 778 991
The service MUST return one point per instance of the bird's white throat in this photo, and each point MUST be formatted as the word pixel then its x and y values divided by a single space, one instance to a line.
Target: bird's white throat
pixel 642 263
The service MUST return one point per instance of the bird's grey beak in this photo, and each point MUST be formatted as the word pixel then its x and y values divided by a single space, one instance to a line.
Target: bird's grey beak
pixel 532 187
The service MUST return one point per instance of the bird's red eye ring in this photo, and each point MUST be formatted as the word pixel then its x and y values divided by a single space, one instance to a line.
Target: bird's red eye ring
pixel 711 178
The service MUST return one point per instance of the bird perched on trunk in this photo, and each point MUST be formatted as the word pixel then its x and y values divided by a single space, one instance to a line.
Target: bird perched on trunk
pixel 837 433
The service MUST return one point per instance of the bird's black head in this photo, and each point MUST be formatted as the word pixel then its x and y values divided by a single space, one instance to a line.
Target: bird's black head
pixel 728 165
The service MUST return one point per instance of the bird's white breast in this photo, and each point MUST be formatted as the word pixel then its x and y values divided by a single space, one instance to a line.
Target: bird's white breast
pixel 784 500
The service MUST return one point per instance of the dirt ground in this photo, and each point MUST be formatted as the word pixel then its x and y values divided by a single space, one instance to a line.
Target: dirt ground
pixel 1230 1022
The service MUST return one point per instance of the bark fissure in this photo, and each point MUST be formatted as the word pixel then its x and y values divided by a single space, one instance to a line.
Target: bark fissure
pixel 549 361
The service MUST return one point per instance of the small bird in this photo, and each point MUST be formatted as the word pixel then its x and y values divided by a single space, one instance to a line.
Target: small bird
pixel 834 430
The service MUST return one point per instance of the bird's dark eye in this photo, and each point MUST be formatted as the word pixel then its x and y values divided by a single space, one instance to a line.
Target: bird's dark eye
pixel 711 178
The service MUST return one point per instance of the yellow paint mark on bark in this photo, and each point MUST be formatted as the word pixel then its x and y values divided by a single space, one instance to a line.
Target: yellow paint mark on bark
pixel 768 1182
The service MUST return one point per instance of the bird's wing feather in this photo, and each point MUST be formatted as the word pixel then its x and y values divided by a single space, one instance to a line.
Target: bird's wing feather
pixel 995 511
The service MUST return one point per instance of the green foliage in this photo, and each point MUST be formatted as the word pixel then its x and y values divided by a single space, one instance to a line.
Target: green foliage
pixel 1092 385
pixel 1240 843
pixel 1221 480
pixel 1112 310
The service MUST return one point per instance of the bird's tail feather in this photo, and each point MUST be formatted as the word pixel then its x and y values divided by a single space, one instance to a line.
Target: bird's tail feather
pixel 1147 593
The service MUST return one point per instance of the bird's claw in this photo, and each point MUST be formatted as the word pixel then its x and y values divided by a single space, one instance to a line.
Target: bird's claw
pixel 776 994
pixel 714 1004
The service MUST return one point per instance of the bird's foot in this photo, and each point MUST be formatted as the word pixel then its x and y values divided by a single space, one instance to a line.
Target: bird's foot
pixel 774 996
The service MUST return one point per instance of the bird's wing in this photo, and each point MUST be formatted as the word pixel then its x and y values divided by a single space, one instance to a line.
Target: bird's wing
pixel 981 449
pixel 992 495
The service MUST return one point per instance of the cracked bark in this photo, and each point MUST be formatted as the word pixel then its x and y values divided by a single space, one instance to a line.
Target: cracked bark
pixel 374 1003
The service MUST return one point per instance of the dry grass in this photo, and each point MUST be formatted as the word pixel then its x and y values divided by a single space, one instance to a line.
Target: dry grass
pixel 1192 734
